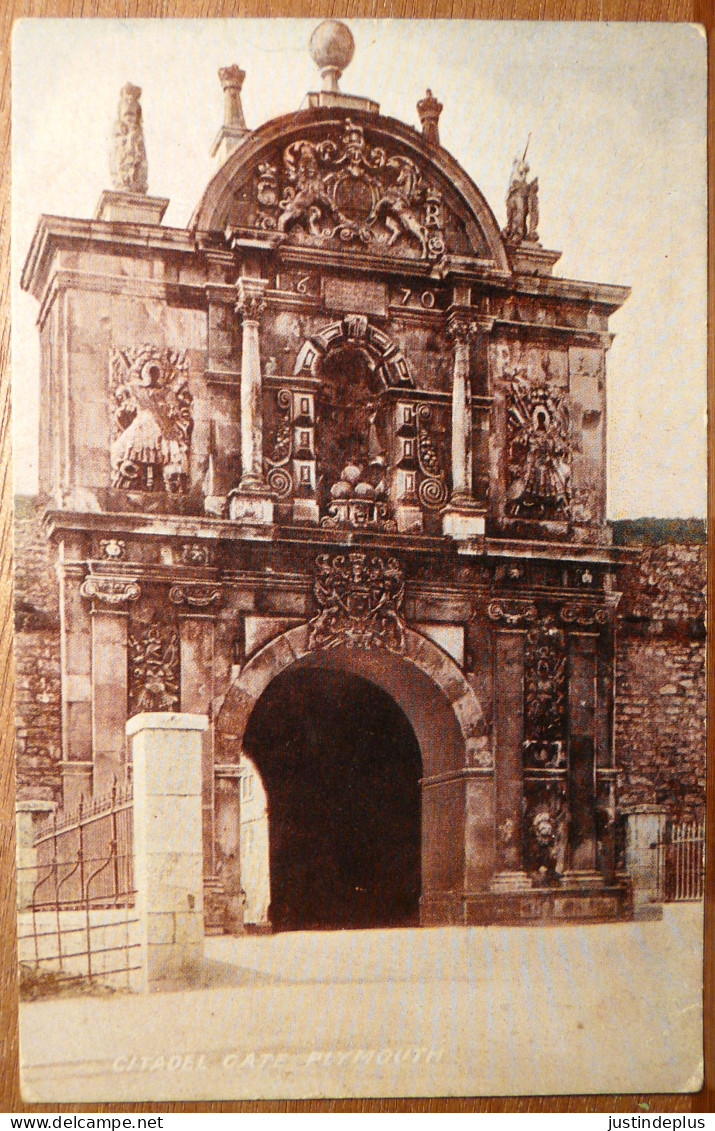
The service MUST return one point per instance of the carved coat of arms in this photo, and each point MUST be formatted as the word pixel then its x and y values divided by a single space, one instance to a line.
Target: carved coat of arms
pixel 539 455
pixel 359 598
pixel 353 192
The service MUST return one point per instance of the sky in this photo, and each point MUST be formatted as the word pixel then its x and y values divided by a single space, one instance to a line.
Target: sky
pixel 616 115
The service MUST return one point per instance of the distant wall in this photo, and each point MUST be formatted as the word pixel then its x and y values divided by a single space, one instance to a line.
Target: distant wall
pixel 660 684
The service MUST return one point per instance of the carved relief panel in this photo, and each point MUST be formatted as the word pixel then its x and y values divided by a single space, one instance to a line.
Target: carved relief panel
pixel 152 419
pixel 154 666
pixel 344 189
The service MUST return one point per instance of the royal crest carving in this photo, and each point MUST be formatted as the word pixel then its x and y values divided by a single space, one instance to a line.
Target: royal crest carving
pixel 539 450
pixel 360 598
pixel 154 671
pixel 152 420
pixel 545 695
pixel 344 189
pixel 110 590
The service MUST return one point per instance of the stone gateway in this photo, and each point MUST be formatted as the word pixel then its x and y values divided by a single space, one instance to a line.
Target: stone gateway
pixel 329 467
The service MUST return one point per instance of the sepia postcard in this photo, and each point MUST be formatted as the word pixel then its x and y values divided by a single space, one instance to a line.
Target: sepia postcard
pixel 359 380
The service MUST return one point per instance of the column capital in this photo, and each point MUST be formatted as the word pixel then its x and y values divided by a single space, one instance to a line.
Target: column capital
pixel 250 297
pixel 462 325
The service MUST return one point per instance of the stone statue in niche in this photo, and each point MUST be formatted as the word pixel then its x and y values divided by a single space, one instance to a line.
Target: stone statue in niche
pixel 539 450
pixel 154 659
pixel 522 205
pixel 359 599
pixel 128 163
pixel 350 191
pixel 152 420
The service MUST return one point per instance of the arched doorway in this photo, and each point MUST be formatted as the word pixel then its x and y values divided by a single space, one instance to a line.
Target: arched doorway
pixel 341 767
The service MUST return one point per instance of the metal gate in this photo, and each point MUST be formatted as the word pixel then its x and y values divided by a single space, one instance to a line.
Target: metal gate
pixel 681 861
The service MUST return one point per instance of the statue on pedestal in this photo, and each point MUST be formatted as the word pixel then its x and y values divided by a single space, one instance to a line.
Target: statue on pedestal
pixel 522 205
pixel 128 163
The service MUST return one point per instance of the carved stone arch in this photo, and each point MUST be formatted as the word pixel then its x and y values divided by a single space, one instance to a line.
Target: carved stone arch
pixel 425 681
pixel 355 330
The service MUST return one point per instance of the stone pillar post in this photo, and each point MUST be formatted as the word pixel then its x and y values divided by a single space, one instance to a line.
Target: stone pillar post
pixel 509 653
pixel 645 832
pixel 168 861
pixel 251 502
pixel 462 518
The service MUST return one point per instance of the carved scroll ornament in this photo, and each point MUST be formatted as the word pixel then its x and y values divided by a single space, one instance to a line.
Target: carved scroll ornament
pixel 110 590
pixel 359 598
pixel 583 615
pixel 200 596
pixel 511 613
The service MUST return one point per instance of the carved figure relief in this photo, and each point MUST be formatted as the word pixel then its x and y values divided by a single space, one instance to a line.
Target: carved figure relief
pixel 152 420
pixel 539 449
pixel 546 827
pixel 128 163
pixel 545 695
pixel 154 660
pixel 359 598
pixel 348 190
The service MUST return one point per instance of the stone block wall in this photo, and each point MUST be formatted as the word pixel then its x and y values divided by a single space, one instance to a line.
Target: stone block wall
pixel 37 657
pixel 661 679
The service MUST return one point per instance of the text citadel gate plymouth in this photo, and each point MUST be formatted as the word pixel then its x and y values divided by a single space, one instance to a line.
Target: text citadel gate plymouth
pixel 329 467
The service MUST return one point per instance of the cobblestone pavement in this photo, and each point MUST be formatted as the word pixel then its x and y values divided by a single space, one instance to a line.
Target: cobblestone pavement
pixel 448 1011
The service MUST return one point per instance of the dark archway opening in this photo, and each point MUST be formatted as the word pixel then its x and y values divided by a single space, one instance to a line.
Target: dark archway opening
pixel 341 767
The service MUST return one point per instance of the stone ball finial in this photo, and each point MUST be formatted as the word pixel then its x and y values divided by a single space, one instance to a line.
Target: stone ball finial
pixel 331 49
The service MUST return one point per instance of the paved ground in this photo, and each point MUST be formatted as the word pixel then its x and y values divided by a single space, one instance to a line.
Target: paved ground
pixel 449 1011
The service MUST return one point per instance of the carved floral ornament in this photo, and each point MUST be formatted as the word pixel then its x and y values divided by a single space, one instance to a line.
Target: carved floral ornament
pixel 345 189
pixel 359 598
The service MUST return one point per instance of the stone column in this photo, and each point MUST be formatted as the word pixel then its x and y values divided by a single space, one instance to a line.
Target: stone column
pixel 168 861
pixel 196 631
pixel 509 665
pixel 462 518
pixel 251 502
pixel 582 750
pixel 109 694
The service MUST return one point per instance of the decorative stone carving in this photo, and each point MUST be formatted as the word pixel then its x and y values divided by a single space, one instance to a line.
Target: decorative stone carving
pixel 152 419
pixel 113 548
pixel 545 696
pixel 128 163
pixel 432 490
pixel 583 615
pixel 154 659
pixel 522 205
pixel 546 828
pixel 193 553
pixel 429 109
pixel 110 590
pixel 539 450
pixel 359 598
pixel 200 596
pixel 512 613
pixel 347 190
pixel 278 475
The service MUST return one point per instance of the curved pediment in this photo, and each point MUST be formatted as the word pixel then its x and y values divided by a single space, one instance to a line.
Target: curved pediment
pixel 352 180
